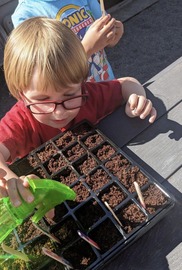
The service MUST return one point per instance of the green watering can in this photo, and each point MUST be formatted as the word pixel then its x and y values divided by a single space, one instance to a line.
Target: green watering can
pixel 47 193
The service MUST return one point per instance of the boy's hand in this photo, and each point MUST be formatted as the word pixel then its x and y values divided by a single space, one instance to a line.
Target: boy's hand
pixel 103 32
pixel 17 189
pixel 140 106
pixel 116 34
pixel 19 186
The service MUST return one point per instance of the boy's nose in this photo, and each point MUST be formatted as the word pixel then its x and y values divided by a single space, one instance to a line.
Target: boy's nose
pixel 59 109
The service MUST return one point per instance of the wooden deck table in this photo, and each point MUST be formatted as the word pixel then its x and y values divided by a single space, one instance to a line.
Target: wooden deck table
pixel 158 149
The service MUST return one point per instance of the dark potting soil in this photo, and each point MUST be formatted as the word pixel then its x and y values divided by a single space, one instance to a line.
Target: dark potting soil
pixel 66 231
pixel 154 199
pixel 93 140
pixel 81 130
pixel 104 152
pixel 113 195
pixel 86 165
pixel 46 153
pixel 32 161
pixel 74 152
pixel 130 217
pixel 127 174
pixel 55 164
pixel 80 255
pixel 97 179
pixel 82 193
pixel 27 231
pixel 65 140
pixel 39 172
pixel 67 176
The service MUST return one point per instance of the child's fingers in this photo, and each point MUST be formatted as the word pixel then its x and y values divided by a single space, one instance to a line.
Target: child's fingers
pixel 107 27
pixel 145 108
pixel 111 33
pixel 141 104
pixel 13 192
pixel 149 110
pixel 133 101
pixel 3 191
pixel 30 176
pixel 153 114
pixel 142 107
pixel 105 19
pixel 17 192
pixel 50 214
pixel 24 191
pixel 23 187
pixel 101 22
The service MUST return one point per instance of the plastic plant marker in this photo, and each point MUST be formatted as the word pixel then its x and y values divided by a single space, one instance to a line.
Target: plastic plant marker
pixel 56 257
pixel 88 239
pixel 14 252
pixel 54 238
pixel 49 220
pixel 139 193
pixel 102 7
pixel 47 193
pixel 114 215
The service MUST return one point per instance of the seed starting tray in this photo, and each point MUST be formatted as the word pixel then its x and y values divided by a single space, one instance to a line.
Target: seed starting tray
pixel 101 174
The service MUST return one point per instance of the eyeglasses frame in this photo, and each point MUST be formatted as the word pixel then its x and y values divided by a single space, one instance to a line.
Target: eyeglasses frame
pixel 56 103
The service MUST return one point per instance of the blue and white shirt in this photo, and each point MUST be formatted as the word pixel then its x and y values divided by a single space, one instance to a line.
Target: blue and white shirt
pixel 77 15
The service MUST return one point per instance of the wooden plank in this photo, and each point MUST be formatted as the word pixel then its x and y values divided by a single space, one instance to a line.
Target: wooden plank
pixel 164 91
pixel 160 145
pixel 167 69
pixel 176 183
pixel 128 8
pixel 167 87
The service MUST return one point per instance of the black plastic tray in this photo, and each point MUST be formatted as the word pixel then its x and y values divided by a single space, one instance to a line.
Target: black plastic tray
pixel 76 212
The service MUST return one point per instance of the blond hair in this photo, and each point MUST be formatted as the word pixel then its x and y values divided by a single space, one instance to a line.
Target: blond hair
pixel 48 46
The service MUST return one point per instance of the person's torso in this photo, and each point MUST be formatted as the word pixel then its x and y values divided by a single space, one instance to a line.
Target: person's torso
pixel 77 15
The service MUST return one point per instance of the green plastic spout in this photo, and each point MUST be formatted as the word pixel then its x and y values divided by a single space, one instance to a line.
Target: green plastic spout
pixel 47 194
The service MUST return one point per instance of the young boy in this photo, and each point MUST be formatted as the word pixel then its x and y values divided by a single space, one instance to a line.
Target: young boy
pixel 46 69
pixel 84 19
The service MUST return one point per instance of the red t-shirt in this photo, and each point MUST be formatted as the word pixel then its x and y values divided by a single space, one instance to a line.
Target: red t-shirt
pixel 20 132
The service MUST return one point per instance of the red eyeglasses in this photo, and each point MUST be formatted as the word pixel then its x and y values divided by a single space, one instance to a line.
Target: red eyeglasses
pixel 46 107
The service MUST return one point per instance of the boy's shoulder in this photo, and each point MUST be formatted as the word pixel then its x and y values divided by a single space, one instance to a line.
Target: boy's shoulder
pixel 18 111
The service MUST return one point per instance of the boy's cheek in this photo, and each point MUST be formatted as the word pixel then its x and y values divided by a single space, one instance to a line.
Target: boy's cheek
pixel 41 118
